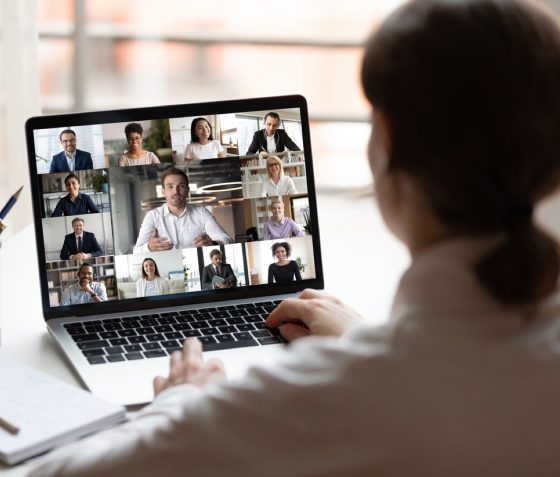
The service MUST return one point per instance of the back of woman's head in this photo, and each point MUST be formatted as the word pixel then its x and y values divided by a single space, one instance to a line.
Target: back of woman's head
pixel 470 90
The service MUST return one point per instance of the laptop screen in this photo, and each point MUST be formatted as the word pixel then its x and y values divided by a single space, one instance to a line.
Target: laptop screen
pixel 154 207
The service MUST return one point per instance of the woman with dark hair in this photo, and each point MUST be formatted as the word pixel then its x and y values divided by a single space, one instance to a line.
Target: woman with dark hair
pixel 284 270
pixel 463 379
pixel 151 283
pixel 203 145
pixel 136 155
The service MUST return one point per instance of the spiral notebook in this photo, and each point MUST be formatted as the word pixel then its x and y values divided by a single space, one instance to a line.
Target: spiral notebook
pixel 39 412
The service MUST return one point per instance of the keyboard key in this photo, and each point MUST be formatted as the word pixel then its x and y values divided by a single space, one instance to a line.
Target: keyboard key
pixel 205 340
pixel 269 340
pixel 118 341
pixel 112 326
pixel 108 334
pixel 228 345
pixel 260 326
pixel 151 346
pixel 114 350
pixel 149 322
pixel 170 344
pixel 269 308
pixel 261 333
pixel 131 318
pixel 131 324
pixel 217 322
pixel 86 337
pixel 93 322
pixel 277 302
pixel 238 312
pixel 181 326
pixel 124 333
pixel 226 307
pixel 136 339
pixel 254 318
pixel 171 313
pixel 73 325
pixel 159 353
pixel 162 328
pixel 210 331
pixel 235 321
pixel 96 360
pixel 156 337
pixel 242 336
pixel 89 353
pixel 227 329
pixel 246 327
pixel 166 320
pixel 112 320
pixel 133 347
pixel 114 358
pixel 207 310
pixel 220 314
pixel 93 344
pixel 225 338
pixel 255 310
pixel 147 330
pixel 175 335
pixel 131 356
pixel 191 333
pixel 185 319
pixel 199 324
pixel 78 330
pixel 202 316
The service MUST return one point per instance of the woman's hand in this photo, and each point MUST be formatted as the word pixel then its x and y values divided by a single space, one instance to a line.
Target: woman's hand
pixel 188 367
pixel 313 313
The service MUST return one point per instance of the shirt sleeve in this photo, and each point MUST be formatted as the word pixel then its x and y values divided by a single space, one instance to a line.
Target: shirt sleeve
pixel 91 208
pixel 296 271
pixel 266 231
pixel 66 297
pixel 188 152
pixel 296 229
pixel 146 230
pixel 95 248
pixel 153 158
pixel 101 291
pixel 57 212
pixel 122 161
pixel 214 229
pixel 219 148
pixel 270 274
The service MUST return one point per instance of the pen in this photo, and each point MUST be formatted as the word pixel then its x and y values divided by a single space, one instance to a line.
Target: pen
pixel 8 426
pixel 10 204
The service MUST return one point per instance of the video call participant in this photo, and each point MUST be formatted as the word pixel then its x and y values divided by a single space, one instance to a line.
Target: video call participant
pixel 151 283
pixel 86 290
pixel 279 226
pixel 75 202
pixel 80 244
pixel 219 269
pixel 203 145
pixel 275 182
pixel 71 158
pixel 271 139
pixel 284 270
pixel 136 155
pixel 176 224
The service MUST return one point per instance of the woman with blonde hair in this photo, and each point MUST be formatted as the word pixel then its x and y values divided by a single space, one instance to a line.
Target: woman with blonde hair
pixel 275 182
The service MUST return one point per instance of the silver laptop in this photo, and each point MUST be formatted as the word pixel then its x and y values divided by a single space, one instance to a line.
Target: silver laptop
pixel 158 224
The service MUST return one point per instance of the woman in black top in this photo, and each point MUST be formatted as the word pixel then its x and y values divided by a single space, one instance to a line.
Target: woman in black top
pixel 284 270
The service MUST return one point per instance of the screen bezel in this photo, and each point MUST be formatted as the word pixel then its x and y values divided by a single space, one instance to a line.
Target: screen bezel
pixel 166 112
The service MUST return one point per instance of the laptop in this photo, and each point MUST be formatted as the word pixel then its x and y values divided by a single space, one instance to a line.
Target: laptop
pixel 156 224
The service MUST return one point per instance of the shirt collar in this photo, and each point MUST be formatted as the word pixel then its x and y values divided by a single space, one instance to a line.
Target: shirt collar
pixel 166 211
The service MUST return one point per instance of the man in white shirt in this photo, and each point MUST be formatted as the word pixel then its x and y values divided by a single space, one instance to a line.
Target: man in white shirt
pixel 176 224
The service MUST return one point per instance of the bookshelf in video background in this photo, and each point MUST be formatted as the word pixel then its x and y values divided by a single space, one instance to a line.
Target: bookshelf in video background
pixel 253 171
pixel 61 274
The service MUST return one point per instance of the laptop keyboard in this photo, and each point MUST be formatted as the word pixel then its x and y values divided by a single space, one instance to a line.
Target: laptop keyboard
pixel 156 335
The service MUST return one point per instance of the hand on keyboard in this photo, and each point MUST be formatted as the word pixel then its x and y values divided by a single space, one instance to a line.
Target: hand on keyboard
pixel 313 313
pixel 188 367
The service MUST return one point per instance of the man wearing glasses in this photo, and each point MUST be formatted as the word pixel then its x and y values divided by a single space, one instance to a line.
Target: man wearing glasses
pixel 70 159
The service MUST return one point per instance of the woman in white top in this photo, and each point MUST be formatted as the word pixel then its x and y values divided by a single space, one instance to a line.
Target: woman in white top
pixel 136 155
pixel 203 145
pixel 463 379
pixel 151 283
pixel 275 183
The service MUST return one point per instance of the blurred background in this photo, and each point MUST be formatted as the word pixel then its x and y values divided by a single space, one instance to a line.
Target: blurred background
pixel 61 56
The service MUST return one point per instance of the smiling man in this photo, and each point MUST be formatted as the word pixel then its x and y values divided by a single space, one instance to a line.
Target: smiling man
pixel 79 244
pixel 86 290
pixel 75 202
pixel 177 224
pixel 71 158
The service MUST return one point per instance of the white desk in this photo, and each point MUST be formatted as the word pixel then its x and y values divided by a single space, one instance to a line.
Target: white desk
pixel 354 242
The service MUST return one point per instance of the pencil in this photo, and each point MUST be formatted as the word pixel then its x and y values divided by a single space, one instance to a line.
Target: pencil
pixel 8 426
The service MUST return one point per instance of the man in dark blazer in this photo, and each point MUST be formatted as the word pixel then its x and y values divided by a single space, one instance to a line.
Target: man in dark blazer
pixel 80 244
pixel 217 268
pixel 71 158
pixel 271 139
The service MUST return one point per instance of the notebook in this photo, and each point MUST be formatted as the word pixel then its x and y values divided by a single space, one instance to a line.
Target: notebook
pixel 131 205
pixel 46 412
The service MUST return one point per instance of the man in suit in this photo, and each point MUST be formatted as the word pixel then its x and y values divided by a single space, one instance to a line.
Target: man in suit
pixel 71 159
pixel 80 244
pixel 271 139
pixel 217 268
